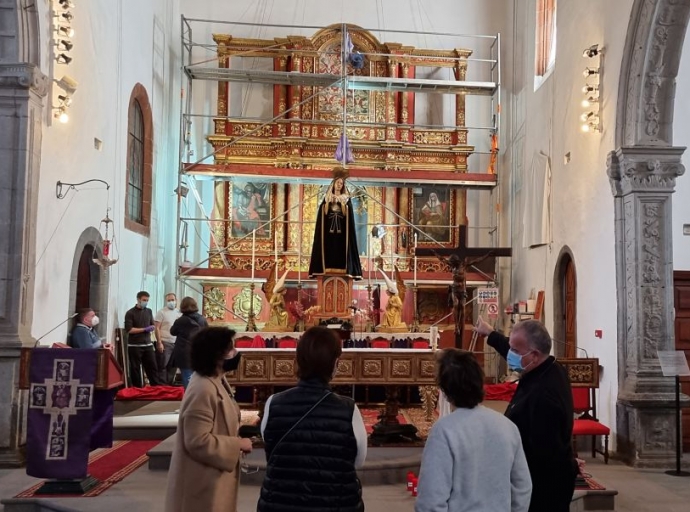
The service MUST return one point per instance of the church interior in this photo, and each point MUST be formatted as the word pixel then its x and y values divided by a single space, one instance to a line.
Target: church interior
pixel 392 170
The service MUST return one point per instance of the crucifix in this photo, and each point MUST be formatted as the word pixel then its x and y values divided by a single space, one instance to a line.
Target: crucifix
pixel 459 259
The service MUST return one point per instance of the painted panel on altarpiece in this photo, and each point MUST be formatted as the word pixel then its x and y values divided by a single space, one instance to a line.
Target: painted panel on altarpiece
pixel 432 210
pixel 251 207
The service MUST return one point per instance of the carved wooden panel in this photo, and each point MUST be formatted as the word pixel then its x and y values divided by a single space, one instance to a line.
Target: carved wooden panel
pixel 268 366
pixel 583 373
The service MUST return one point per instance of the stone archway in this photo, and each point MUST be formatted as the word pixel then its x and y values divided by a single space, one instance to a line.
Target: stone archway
pixel 565 305
pixel 84 269
pixel 642 172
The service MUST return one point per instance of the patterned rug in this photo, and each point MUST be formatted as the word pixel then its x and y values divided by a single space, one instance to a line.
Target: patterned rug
pixel 109 466
pixel 413 416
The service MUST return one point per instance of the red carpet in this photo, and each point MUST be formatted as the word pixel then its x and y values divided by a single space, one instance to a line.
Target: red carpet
pixel 109 466
pixel 151 393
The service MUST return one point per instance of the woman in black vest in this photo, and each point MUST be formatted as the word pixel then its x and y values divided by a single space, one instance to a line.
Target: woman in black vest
pixel 314 438
pixel 184 329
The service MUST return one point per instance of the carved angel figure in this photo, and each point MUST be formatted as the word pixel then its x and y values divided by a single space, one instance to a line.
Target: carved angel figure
pixel 392 317
pixel 274 289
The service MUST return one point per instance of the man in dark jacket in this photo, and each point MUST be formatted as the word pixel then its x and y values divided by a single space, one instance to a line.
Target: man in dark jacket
pixel 139 326
pixel 542 409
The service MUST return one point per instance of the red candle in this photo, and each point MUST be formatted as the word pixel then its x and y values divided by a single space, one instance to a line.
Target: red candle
pixel 410 478
pixel 414 486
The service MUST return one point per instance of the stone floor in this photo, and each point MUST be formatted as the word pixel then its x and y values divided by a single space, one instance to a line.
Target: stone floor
pixel 639 491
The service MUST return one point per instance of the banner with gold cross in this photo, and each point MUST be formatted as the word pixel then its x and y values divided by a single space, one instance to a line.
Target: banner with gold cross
pixel 60 416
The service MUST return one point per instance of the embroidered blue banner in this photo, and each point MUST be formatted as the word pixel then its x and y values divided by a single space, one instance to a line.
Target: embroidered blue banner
pixel 61 408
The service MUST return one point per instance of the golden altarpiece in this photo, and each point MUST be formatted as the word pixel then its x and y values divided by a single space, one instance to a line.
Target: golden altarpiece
pixel 401 170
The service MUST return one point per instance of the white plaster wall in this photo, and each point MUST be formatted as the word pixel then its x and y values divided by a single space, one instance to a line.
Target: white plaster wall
pixel 681 137
pixel 547 120
pixel 116 46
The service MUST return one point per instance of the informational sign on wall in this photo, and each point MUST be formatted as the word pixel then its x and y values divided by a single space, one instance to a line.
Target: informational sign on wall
pixel 488 297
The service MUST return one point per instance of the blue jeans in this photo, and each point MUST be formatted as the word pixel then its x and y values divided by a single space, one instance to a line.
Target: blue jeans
pixel 186 375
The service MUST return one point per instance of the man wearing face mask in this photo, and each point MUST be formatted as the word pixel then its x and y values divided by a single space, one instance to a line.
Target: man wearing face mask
pixel 165 342
pixel 139 325
pixel 542 409
pixel 83 334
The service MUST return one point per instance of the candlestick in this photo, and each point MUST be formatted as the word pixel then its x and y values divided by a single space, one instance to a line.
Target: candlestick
pixel 275 244
pixel 253 252
pixel 370 242
pixel 299 257
pixel 392 260
pixel 415 258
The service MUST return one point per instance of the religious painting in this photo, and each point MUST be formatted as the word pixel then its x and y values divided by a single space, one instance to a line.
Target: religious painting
pixel 251 208
pixel 432 211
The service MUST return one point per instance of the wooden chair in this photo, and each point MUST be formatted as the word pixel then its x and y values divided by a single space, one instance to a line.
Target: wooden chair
pixel 287 343
pixel 380 343
pixel 584 403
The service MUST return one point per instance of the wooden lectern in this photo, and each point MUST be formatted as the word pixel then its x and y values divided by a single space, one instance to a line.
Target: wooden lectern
pixel 56 402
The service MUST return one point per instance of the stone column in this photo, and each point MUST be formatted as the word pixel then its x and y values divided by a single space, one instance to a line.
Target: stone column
pixel 22 87
pixel 642 180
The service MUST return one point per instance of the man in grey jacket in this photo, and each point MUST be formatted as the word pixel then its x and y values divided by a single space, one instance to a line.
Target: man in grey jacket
pixel 473 458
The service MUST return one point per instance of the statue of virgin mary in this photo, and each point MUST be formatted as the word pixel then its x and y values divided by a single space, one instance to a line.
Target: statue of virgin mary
pixel 335 251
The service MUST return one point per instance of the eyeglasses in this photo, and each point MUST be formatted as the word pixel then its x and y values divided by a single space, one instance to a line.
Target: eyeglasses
pixel 247 469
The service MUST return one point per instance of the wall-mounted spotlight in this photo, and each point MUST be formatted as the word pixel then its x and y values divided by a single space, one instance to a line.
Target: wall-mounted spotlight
pixel 64 45
pixel 589 89
pixel 64 100
pixel 67 16
pixel 64 30
pixel 66 4
pixel 67 84
pixel 61 115
pixel 63 59
pixel 590 122
pixel 589 100
pixel 592 51
pixel 588 72
pixel 182 190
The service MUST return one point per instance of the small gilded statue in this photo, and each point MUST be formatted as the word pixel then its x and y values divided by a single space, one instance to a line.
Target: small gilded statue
pixel 275 290
pixel 392 317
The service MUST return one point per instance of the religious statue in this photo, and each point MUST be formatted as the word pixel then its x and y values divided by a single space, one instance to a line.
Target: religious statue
pixel 458 289
pixel 392 317
pixel 275 293
pixel 335 251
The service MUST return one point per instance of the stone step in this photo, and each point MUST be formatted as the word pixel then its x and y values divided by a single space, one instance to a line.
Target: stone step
pixel 384 465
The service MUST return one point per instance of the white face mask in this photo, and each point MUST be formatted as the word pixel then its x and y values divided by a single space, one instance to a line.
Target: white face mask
pixel 171 304
pixel 94 321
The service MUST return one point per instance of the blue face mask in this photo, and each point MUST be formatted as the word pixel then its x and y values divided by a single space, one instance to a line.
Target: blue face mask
pixel 515 361
pixel 171 304
pixel 143 304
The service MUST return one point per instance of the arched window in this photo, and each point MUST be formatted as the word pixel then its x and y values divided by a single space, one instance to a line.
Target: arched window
pixel 139 162
pixel 545 52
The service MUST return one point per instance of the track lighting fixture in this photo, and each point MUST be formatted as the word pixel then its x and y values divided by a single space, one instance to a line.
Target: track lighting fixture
pixel 592 51
pixel 64 45
pixel 588 72
pixel 65 31
pixel 63 59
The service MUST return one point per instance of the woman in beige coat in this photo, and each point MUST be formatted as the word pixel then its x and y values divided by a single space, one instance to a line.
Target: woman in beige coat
pixel 205 465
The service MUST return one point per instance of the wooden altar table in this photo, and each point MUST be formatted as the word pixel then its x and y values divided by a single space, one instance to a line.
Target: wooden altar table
pixel 392 368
